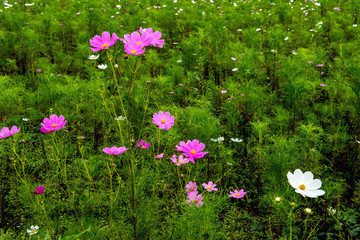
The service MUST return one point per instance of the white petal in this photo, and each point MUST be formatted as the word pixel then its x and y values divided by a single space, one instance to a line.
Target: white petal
pixel 308 177
pixel 314 185
pixel 318 192
pixel 301 192
pixel 36 227
pixel 292 181
pixel 298 174
pixel 309 193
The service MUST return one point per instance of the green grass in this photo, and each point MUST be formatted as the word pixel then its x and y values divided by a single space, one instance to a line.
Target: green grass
pixel 274 103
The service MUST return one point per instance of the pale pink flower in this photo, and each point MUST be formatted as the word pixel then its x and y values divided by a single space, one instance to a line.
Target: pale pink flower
pixel 163 120
pixel 145 146
pixel 104 42
pixel 223 91
pixel 191 187
pixel 323 85
pixel 234 59
pixel 160 155
pixel 210 186
pixel 155 36
pixel 180 160
pixel 114 150
pixel 192 149
pixel 5 132
pixel 195 199
pixel 237 194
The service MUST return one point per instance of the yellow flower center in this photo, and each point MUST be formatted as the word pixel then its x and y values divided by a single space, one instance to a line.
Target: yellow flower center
pixel 48 130
pixel 302 187
pixel 143 147
pixel 191 189
pixel 236 194
pixel 105 45
pixel 33 231
pixel 293 203
pixel 54 125
pixel 163 121
pixel 138 43
pixel 193 152
pixel 209 187
pixel 195 200
pixel 133 51
pixel 179 161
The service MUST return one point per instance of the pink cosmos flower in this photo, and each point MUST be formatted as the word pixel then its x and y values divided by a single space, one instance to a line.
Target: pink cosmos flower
pixel 104 42
pixel 145 146
pixel 134 49
pixel 160 155
pixel 180 160
pixel 237 194
pixel 5 132
pixel 210 186
pixel 39 190
pixel 54 123
pixel 195 199
pixel 164 121
pixel 155 37
pixel 43 130
pixel 234 59
pixel 192 149
pixel 320 65
pixel 114 150
pixel 191 188
pixel 223 91
pixel 135 39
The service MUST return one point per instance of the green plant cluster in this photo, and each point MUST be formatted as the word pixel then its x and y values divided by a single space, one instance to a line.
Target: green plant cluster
pixel 292 97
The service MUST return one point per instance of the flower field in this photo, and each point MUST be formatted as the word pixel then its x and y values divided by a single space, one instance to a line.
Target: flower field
pixel 179 119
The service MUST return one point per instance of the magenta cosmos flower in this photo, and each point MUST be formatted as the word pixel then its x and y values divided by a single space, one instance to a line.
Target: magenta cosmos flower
pixel 195 199
pixel 134 49
pixel 161 155
pixel 237 194
pixel 54 123
pixel 114 150
pixel 5 132
pixel 136 39
pixel 163 120
pixel 191 188
pixel 145 146
pixel 179 161
pixel 210 186
pixel 104 42
pixel 192 149
pixel 154 36
pixel 39 190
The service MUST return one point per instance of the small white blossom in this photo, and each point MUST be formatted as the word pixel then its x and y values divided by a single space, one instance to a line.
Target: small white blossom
pixel 236 140
pixel 94 57
pixel 307 210
pixel 234 69
pixel 102 66
pixel 25 119
pixel 33 230
pixel 120 118
pixel 277 199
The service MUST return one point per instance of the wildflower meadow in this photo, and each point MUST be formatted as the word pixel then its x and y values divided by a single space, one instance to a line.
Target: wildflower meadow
pixel 179 119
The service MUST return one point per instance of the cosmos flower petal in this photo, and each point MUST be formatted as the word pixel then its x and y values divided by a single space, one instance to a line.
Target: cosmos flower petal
pixel 298 174
pixel 292 181
pixel 313 185
pixel 308 177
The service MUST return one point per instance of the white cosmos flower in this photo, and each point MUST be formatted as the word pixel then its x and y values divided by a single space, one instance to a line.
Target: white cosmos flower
pixel 307 210
pixel 236 140
pixel 94 57
pixel 102 66
pixel 33 230
pixel 29 4
pixel 305 184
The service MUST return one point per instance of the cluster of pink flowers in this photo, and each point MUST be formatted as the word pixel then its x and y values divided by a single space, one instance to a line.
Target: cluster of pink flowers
pixel 5 132
pixel 135 42
pixel 193 196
